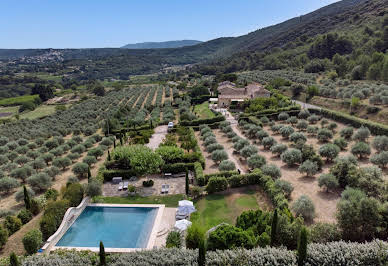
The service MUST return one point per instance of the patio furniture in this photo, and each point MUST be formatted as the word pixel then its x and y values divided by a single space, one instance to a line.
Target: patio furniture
pixel 126 183
pixel 185 203
pixel 165 189
pixel 121 186
pixel 182 225
pixel 167 175
pixel 186 209
pixel 179 175
pixel 133 178
pixel 117 179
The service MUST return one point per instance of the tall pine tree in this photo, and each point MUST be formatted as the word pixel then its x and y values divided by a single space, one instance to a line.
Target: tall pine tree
pixel 102 254
pixel 27 199
pixel 302 246
pixel 274 227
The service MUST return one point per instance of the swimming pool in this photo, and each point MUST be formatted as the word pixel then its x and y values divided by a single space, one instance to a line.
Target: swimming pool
pixel 117 227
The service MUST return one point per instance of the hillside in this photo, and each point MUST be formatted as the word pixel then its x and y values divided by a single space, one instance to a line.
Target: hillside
pixel 160 45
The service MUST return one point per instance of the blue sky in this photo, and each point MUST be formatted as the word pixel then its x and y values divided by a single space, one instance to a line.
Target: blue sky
pixel 114 23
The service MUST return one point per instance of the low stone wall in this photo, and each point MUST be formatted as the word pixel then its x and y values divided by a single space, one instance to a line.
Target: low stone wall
pixel 70 216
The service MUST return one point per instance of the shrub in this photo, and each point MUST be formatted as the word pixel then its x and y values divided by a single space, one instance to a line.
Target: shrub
pixel 278 149
pixel 248 151
pixel 286 131
pixel 25 216
pixel 93 188
pixel 312 130
pixel 329 181
pixel 304 207
pixel 303 114
pixel 32 241
pixel 74 193
pixel 40 181
pixel 52 217
pixel 380 143
pixel 313 119
pixel 226 165
pixel 292 120
pixel 3 236
pixel 341 143
pixel 302 125
pixel 347 132
pixel 80 170
pixel 308 167
pixel 329 151
pixel 291 157
pixel 51 194
pixel 7 184
pixel 285 186
pixel 174 240
pixel 276 128
pixel 216 184
pixel 361 134
pixel 229 237
pixel 12 223
pixel 380 159
pixel 148 183
pixel 271 170
pixel 195 234
pixel 361 149
pixel 268 142
pixel 324 135
pixel 324 232
pixel 298 137
pixel 219 155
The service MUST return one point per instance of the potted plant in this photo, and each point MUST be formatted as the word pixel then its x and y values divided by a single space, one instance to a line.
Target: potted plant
pixel 132 190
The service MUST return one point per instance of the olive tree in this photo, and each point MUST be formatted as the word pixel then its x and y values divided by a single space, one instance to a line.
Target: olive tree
pixel 7 184
pixel 341 143
pixel 19 195
pixel 291 157
pixel 324 135
pixel 346 132
pixel 308 167
pixel 62 162
pixel 304 207
pixel 361 134
pixel 21 160
pixel 239 145
pixel 329 151
pixel 96 152
pixel 38 164
pixel 276 128
pixel 284 186
pixel 256 161
pixel 283 116
pixel 213 147
pixel 298 137
pixel 219 155
pixel 271 170
pixel 380 159
pixel 286 131
pixel 278 149
pixel 328 181
pixel 40 181
pixel 268 142
pixel 380 143
pixel 89 160
pixel 210 140
pixel 261 134
pixel 248 151
pixel 47 157
pixel 361 149
pixel 226 165
pixel 292 120
pixel 80 169
pixel 302 125
pixel 313 119
pixel 303 114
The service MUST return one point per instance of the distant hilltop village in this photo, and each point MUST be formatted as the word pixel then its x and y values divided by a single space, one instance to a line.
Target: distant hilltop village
pixel 228 93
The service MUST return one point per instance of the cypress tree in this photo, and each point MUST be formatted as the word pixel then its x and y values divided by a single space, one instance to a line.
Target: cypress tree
pixel 114 144
pixel 27 200
pixel 187 182
pixel 89 173
pixel 102 254
pixel 13 260
pixel 109 156
pixel 202 252
pixel 274 226
pixel 121 140
pixel 302 246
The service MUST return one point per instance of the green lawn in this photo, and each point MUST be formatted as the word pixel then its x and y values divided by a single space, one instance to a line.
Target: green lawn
pixel 202 110
pixel 215 209
pixel 168 200
pixel 40 111
pixel 17 100
pixel 10 109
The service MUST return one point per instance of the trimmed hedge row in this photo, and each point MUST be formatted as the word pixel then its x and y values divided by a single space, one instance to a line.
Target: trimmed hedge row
pixel 267 112
pixel 177 167
pixel 198 122
pixel 125 174
pixel 375 128
pixel 200 99
pixel 198 173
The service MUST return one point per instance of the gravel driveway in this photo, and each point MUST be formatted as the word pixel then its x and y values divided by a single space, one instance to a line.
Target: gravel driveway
pixel 157 137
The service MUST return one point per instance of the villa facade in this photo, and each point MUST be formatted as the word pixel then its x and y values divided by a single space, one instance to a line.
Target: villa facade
pixel 228 93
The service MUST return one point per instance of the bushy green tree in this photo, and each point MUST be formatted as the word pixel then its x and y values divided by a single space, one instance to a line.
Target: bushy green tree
pixel 380 159
pixel 328 181
pixel 229 237
pixel 32 241
pixel 324 135
pixel 12 224
pixel 219 155
pixel 308 167
pixel 304 207
pixel 329 151
pixel 174 240
pixel 195 234
pixel 39 182
pixel 361 134
pixel 292 157
pixel 248 151
pixel 7 184
pixel 256 161
pixel 361 149
pixel 286 131
pixel 380 143
pixel 216 184
pixel 278 149
pixel 226 165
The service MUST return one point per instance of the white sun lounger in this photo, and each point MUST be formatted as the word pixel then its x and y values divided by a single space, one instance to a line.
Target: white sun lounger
pixel 165 189
pixel 120 185
pixel 126 183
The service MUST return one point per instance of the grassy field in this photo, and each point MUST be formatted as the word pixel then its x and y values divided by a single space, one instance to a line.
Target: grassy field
pixel 10 109
pixel 17 100
pixel 168 200
pixel 40 111
pixel 203 111
pixel 217 208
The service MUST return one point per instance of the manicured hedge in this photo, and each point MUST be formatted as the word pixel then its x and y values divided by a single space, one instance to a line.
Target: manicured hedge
pixel 375 128
pixel 177 167
pixel 333 253
pixel 198 173
pixel 198 122
pixel 268 112
pixel 200 99
pixel 125 174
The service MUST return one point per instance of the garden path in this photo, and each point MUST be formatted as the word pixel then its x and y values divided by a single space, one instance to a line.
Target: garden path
pixel 157 137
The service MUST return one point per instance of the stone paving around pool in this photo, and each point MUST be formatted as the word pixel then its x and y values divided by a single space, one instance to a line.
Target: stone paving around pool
pixel 177 186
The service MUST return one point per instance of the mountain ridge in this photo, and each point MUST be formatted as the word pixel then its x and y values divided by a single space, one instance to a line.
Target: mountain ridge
pixel 161 45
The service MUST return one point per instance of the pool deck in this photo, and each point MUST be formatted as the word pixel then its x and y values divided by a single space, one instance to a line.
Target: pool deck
pixel 162 224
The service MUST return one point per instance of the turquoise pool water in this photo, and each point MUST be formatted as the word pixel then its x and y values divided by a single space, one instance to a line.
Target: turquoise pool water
pixel 116 227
